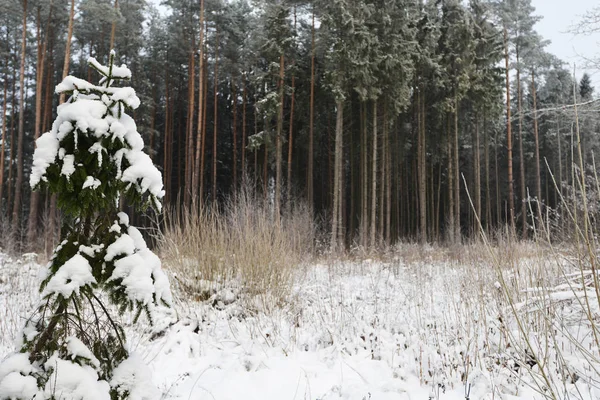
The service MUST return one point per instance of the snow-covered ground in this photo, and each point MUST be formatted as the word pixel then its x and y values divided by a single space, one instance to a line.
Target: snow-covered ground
pixel 357 330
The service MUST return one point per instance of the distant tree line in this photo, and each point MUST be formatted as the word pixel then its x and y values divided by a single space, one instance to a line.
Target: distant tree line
pixel 392 119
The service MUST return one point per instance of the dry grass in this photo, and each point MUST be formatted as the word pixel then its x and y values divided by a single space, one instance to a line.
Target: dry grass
pixel 242 247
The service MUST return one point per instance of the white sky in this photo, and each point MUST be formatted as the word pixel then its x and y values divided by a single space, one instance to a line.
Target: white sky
pixel 558 16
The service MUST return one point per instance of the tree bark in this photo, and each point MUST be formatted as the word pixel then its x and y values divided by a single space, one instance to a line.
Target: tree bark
pixel 215 122
pixel 457 226
pixel 451 207
pixel 488 193
pixel 3 149
pixel 374 179
pixel 278 139
pixel 521 156
pixel 244 102
pixel 511 191
pixel 19 160
pixel 291 134
pixel 538 179
pixel 309 180
pixel 189 151
pixel 235 123
pixel 200 131
pixel 113 28
pixel 477 175
pixel 422 165
pixel 337 180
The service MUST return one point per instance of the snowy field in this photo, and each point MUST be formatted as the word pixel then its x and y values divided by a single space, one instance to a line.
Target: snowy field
pixel 425 328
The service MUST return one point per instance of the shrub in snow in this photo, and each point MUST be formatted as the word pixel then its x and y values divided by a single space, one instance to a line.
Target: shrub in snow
pixel 72 348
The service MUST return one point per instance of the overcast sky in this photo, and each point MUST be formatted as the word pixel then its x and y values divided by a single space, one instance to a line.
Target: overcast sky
pixel 558 16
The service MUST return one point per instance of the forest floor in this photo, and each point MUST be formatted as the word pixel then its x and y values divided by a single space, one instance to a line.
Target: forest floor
pixel 419 327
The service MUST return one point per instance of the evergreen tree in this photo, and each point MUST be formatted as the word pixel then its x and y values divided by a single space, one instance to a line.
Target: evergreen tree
pixel 72 346
pixel 586 90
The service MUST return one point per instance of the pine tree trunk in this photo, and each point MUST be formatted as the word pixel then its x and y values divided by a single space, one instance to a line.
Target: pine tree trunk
pixel 201 98
pixel 457 226
pixel 189 150
pixel 388 213
pixel 167 142
pixel 538 179
pixel 49 91
pixel 374 179
pixel 337 179
pixel 244 101
pixel 39 85
pixel 291 134
pixel 3 149
pixel 13 107
pixel 382 175
pixel 53 214
pixel 278 139
pixel 511 191
pixel 496 171
pixel 488 193
pixel 215 123
pixel 477 175
pixel 364 220
pixel 204 132
pixel 309 180
pixel 68 48
pixel 19 160
pixel 560 163
pixel 521 156
pixel 422 165
pixel 451 214
pixel 152 119
pixel 235 123
pixel 113 28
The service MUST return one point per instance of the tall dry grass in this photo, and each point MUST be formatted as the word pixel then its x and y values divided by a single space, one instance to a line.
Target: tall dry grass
pixel 242 247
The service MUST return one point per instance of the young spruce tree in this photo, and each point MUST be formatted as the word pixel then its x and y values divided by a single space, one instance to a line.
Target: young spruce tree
pixel 72 348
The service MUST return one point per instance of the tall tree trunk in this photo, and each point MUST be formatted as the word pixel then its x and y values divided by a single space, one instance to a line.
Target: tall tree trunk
pixel 215 123
pixel 113 28
pixel 511 191
pixel 53 215
pixel 451 213
pixel 477 175
pixel 13 107
pixel 204 132
pixel 388 213
pixel 337 179
pixel 382 175
pixel 538 180
pixel 422 165
pixel 457 226
pixel 244 101
pixel 309 180
pixel 497 172
pixel 19 183
pixel 201 94
pixel 374 179
pixel 560 163
pixel 39 85
pixel 167 141
pixel 68 47
pixel 521 156
pixel 189 137
pixel 488 193
pixel 291 134
pixel 3 149
pixel 234 129
pixel 278 139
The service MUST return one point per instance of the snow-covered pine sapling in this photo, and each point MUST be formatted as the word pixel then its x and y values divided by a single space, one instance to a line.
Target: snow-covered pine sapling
pixel 72 348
